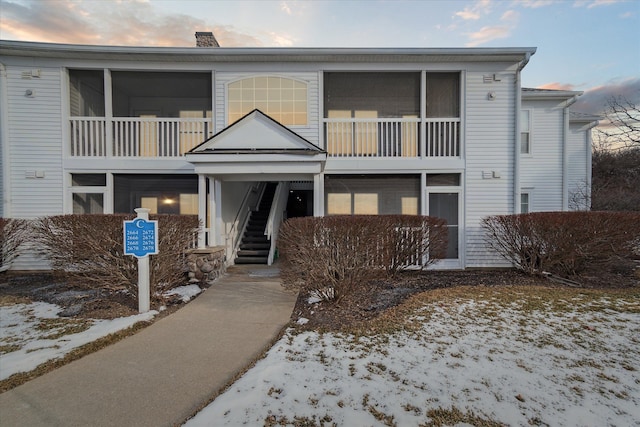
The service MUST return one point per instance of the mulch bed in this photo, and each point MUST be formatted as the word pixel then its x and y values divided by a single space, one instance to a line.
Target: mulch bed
pixel 360 307
pixel 75 299
pixel 78 300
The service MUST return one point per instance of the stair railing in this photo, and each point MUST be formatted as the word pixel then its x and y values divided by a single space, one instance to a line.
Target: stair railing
pixel 278 207
pixel 234 236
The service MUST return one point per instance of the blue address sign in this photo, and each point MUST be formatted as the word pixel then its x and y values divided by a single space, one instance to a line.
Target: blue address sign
pixel 140 237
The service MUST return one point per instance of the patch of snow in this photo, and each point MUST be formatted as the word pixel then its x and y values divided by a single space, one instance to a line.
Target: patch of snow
pixel 514 366
pixel 185 292
pixel 302 321
pixel 313 300
pixel 20 327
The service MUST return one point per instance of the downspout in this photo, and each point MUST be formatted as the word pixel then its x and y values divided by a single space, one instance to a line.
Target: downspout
pixel 4 143
pixel 589 160
pixel 565 153
pixel 516 162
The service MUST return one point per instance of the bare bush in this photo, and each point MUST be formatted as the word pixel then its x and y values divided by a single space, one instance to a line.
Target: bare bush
pixel 13 233
pixel 89 249
pixel 565 243
pixel 343 253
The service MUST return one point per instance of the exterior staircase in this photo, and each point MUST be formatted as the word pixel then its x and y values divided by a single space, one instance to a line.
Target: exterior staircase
pixel 254 247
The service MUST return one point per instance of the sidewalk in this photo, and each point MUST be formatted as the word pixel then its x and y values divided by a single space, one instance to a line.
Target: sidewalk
pixel 165 372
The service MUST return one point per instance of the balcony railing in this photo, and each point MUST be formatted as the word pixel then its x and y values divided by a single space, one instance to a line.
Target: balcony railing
pixel 172 137
pixel 136 137
pixel 392 137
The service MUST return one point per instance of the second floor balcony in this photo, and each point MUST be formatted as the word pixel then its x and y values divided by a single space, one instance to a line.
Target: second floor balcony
pixel 164 115
pixel 343 138
pixel 392 137
pixel 136 137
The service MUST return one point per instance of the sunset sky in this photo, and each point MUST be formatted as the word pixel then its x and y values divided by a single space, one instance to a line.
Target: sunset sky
pixel 587 45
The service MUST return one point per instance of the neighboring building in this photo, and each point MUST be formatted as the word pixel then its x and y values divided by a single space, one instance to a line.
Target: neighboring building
pixel 444 132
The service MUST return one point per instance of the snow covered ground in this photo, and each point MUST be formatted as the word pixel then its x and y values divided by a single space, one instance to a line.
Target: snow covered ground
pixel 462 359
pixel 32 334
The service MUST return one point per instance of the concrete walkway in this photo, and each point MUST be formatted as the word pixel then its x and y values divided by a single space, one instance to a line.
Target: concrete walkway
pixel 165 372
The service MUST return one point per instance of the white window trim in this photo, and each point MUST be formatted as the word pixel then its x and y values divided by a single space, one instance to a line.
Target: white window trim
pixel 460 262
pixel 529 192
pixel 530 152
pixel 107 206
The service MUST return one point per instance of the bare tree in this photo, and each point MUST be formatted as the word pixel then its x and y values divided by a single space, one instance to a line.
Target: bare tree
pixel 620 128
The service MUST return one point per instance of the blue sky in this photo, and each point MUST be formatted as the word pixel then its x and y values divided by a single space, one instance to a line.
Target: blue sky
pixel 587 45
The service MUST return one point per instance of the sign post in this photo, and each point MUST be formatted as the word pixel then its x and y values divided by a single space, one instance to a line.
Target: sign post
pixel 141 240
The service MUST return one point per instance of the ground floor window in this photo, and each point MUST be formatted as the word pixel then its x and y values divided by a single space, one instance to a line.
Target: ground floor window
pixel 525 201
pixel 372 194
pixel 88 193
pixel 161 194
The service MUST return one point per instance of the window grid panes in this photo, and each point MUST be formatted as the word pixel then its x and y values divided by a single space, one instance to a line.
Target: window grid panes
pixel 282 99
pixel 525 132
pixel 524 203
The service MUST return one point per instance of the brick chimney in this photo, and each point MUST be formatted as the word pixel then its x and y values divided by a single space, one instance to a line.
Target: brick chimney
pixel 206 39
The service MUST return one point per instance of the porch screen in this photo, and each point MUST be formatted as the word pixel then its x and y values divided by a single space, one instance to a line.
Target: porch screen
pixel 443 95
pixel 372 194
pixel 385 94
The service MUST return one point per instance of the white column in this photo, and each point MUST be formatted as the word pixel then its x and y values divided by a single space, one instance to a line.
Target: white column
pixel 215 214
pixel 108 113
pixel 318 194
pixel 423 194
pixel 202 210
pixel 423 114
pixel 219 238
pixel 144 288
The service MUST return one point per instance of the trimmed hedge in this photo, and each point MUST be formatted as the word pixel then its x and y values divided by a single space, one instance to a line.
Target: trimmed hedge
pixel 336 255
pixel 565 243
pixel 89 248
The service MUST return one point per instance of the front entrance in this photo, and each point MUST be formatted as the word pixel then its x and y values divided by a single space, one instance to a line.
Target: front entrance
pixel 300 203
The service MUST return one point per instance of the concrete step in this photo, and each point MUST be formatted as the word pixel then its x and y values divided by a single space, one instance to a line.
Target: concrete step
pixel 255 239
pixel 253 253
pixel 255 246
pixel 251 260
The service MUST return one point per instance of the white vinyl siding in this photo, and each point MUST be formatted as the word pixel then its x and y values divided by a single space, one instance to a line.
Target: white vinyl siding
pixel 34 131
pixel 35 150
pixel 309 131
pixel 579 170
pixel 543 169
pixel 489 147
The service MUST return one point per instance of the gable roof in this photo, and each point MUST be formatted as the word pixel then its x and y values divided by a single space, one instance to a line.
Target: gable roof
pixel 256 133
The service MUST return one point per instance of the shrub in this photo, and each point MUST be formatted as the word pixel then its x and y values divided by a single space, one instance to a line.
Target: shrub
pixel 13 233
pixel 89 248
pixel 336 255
pixel 565 243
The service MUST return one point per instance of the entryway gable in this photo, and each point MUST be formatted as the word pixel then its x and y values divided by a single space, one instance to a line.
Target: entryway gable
pixel 258 133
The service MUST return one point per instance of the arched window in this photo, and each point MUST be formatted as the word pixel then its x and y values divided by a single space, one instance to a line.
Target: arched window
pixel 281 98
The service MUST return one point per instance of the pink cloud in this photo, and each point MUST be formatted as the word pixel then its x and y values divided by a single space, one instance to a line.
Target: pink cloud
pixel 134 23
pixel 595 99
pixel 557 86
